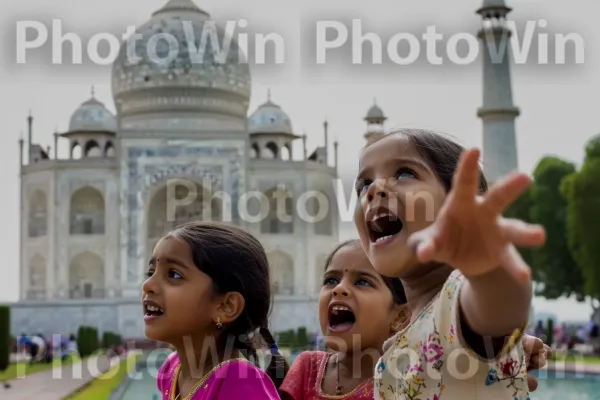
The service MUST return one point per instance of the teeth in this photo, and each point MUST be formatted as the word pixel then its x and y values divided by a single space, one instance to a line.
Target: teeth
pixel 154 309
pixel 336 309
pixel 382 215
pixel 383 238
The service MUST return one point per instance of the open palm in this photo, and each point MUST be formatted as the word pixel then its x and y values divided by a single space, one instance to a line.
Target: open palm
pixel 470 233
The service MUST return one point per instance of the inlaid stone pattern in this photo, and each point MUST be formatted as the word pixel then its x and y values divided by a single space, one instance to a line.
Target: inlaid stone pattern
pixel 143 175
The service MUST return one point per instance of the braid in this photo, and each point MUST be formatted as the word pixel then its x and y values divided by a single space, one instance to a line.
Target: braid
pixel 278 367
pixel 247 350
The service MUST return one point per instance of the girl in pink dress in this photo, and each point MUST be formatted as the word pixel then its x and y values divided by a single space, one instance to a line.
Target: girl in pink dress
pixel 358 310
pixel 207 294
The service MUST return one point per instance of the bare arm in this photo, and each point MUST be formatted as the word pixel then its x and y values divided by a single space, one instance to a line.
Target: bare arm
pixel 493 306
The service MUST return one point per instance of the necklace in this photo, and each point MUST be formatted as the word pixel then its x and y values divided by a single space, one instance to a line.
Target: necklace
pixel 198 384
pixel 338 387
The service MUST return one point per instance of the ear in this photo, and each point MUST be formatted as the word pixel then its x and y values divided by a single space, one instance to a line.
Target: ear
pixel 401 319
pixel 231 307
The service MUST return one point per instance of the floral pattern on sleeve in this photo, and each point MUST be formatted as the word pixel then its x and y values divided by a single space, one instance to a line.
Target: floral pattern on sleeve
pixel 417 362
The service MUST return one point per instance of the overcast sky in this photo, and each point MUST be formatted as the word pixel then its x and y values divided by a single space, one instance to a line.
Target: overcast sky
pixel 558 102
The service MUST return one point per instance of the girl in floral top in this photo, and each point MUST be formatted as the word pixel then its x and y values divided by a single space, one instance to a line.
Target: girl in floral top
pixel 426 217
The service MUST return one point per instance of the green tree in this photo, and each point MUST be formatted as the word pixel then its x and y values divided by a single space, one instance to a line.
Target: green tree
pixel 582 190
pixel 555 267
pixel 302 339
pixel 521 209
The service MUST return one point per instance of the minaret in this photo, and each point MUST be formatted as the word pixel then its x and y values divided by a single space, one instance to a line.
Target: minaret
pixel 21 150
pixel 29 135
pixel 304 146
pixel 375 119
pixel 326 133
pixel 335 154
pixel 498 113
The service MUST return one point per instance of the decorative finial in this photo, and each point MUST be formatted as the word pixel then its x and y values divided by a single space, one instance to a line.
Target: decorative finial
pixel 374 101
pixel 93 92
pixel 30 114
pixel 269 94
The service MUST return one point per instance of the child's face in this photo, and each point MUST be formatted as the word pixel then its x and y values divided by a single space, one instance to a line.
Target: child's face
pixel 404 197
pixel 356 308
pixel 180 290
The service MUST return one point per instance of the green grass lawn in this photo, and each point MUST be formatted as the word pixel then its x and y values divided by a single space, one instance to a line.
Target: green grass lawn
pixel 102 387
pixel 572 358
pixel 23 369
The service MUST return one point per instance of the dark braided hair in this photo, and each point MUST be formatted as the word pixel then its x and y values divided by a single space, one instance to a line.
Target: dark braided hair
pixel 236 262
pixel 394 284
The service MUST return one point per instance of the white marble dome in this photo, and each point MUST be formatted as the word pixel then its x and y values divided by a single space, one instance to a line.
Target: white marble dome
pixel 92 116
pixel 192 82
pixel 270 118
pixel 375 113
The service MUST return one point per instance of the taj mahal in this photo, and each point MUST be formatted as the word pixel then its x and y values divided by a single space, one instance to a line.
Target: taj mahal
pixel 183 134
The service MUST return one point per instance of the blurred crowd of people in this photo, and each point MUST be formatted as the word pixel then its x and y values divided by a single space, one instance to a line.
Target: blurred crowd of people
pixel 38 348
pixel 567 336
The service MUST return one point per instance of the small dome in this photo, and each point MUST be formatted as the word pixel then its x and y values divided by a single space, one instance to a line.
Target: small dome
pixel 270 118
pixel 375 113
pixel 93 116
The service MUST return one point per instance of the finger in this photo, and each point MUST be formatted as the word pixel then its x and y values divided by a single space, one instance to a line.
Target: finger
pixel 514 264
pixel 505 192
pixel 532 345
pixel 522 234
pixel 548 350
pixel 536 361
pixel 465 184
pixel 424 243
pixel 532 383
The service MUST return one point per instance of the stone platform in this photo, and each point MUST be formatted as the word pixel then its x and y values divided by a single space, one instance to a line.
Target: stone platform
pixel 124 316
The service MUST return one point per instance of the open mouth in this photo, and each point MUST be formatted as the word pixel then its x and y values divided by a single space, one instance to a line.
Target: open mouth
pixel 341 318
pixel 151 309
pixel 384 226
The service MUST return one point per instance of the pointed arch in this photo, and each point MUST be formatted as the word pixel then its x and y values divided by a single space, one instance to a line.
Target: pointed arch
pixel 38 214
pixel 109 150
pixel 92 149
pixel 86 276
pixel 280 215
pixel 281 272
pixel 271 151
pixel 172 206
pixel 76 151
pixel 87 213
pixel 320 272
pixel 321 212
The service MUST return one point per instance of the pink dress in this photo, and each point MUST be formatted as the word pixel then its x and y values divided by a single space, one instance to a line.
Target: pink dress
pixel 304 381
pixel 236 379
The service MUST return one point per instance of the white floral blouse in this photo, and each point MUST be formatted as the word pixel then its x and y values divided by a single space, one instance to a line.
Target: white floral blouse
pixel 429 359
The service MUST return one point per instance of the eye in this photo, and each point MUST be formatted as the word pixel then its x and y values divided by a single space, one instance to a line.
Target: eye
pixel 330 281
pixel 149 273
pixel 406 173
pixel 362 184
pixel 174 274
pixel 363 282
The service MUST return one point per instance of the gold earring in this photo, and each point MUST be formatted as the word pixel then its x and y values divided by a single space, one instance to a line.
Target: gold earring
pixel 219 324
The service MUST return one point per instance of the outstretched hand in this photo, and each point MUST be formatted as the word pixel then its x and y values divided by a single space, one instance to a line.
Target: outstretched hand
pixel 470 233
pixel 537 354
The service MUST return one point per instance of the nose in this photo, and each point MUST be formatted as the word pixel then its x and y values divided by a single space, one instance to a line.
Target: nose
pixel 341 290
pixel 150 285
pixel 377 189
